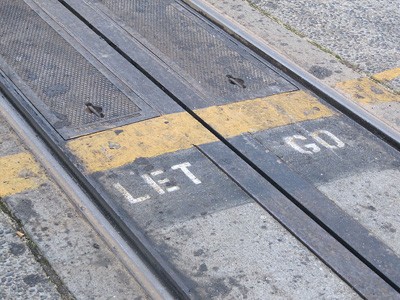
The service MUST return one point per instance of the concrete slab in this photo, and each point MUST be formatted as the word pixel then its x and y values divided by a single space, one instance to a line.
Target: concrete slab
pixel 389 112
pixel 372 198
pixel 21 276
pixel 8 145
pixel 243 253
pixel 390 78
pixel 76 253
pixel 374 97
pixel 362 32
pixel 395 83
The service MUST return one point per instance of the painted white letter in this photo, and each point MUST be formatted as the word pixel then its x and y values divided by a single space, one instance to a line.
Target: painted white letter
pixel 184 168
pixel 315 136
pixel 291 142
pixel 128 196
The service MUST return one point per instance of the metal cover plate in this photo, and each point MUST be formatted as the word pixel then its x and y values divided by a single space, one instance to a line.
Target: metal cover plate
pixel 59 80
pixel 197 51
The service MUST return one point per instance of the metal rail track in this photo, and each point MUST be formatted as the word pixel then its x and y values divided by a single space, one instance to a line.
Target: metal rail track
pixel 290 188
pixel 170 278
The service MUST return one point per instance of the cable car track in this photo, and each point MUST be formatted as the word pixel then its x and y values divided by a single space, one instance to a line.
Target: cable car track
pixel 304 206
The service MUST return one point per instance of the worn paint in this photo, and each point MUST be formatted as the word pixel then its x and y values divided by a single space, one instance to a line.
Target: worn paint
pixel 128 196
pixel 259 114
pixel 184 168
pixel 180 131
pixel 366 91
pixel 328 141
pixel 155 184
pixel 148 138
pixel 18 173
pixel 387 75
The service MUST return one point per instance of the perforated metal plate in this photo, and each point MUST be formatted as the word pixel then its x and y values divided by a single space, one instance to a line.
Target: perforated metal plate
pixel 196 50
pixel 61 80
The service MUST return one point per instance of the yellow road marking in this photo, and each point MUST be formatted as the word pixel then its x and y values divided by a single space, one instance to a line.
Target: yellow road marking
pixel 387 75
pixel 263 113
pixel 366 91
pixel 170 133
pixel 117 147
pixel 18 173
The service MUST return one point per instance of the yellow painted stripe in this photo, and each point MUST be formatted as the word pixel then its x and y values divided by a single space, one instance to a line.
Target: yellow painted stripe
pixel 117 147
pixel 264 113
pixel 387 75
pixel 366 91
pixel 170 133
pixel 19 173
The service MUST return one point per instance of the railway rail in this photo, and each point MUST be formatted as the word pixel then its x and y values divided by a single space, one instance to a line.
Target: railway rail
pixel 203 146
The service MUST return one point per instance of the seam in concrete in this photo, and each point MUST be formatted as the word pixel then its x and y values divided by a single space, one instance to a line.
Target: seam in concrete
pixel 275 19
pixel 303 36
pixel 51 274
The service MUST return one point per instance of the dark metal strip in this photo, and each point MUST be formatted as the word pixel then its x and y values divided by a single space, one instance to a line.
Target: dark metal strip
pixel 321 243
pixel 201 86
